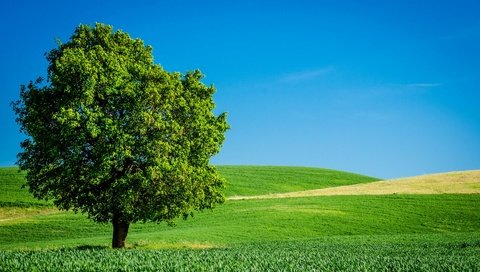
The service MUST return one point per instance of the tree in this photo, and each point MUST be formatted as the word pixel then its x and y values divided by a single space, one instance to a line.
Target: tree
pixel 113 135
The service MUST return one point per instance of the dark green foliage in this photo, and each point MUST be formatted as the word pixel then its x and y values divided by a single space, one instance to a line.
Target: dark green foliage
pixel 113 135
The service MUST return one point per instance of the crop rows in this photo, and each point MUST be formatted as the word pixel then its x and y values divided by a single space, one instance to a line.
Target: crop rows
pixel 292 256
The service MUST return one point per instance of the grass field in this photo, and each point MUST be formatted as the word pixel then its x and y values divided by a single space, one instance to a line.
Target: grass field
pixel 314 255
pixel 260 221
pixel 399 232
pixel 11 191
pixel 463 182
pixel 260 180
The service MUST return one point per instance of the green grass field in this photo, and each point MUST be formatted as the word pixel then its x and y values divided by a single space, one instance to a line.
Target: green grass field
pixel 11 191
pixel 313 255
pixel 399 232
pixel 259 180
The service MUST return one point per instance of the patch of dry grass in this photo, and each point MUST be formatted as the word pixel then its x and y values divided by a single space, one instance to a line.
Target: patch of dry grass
pixel 10 215
pixel 463 182
pixel 178 245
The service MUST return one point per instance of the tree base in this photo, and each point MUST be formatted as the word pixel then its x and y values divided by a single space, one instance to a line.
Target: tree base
pixel 120 231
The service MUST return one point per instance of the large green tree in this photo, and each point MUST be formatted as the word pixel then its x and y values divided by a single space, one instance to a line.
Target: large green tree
pixel 113 135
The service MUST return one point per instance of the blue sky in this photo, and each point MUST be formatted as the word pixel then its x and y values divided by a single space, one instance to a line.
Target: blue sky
pixel 383 88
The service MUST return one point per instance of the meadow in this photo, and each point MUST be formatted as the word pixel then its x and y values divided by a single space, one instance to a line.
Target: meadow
pixel 370 232
pixel 314 255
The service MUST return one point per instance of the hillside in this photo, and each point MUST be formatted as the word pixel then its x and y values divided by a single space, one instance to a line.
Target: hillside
pixel 26 223
pixel 241 180
pixel 255 180
pixel 11 191
pixel 461 182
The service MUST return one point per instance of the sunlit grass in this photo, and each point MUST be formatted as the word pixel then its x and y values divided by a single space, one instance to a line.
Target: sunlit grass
pixel 266 220
pixel 463 182
pixel 356 232
pixel 259 180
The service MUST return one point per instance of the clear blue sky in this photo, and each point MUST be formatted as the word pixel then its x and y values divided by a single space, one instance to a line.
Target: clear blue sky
pixel 383 88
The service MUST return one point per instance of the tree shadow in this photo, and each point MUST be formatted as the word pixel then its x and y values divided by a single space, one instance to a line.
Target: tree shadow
pixel 90 247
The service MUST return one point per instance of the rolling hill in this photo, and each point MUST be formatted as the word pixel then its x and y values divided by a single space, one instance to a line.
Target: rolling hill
pixel 255 180
pixel 330 219
pixel 461 182
pixel 241 180
pixel 310 215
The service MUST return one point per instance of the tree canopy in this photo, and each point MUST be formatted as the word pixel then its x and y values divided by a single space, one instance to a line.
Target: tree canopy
pixel 113 135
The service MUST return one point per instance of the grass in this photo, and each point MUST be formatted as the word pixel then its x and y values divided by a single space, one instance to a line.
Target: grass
pixel 241 180
pixel 239 222
pixel 11 192
pixel 396 232
pixel 464 182
pixel 16 214
pixel 314 255
pixel 40 225
pixel 259 180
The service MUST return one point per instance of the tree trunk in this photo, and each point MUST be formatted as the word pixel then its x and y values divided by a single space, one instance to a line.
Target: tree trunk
pixel 120 231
